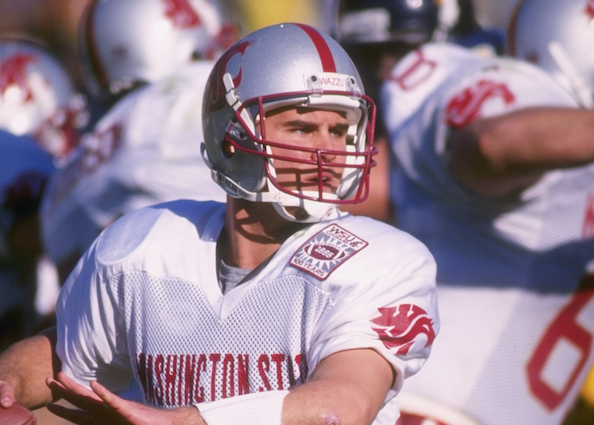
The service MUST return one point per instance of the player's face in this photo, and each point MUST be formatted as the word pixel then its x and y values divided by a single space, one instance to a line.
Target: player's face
pixel 309 128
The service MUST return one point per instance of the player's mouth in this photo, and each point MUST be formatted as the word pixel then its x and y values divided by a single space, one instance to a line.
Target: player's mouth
pixel 328 180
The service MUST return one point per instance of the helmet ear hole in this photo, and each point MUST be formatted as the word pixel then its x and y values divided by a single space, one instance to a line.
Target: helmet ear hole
pixel 228 149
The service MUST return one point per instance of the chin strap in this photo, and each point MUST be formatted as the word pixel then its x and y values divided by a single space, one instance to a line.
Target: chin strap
pixel 313 211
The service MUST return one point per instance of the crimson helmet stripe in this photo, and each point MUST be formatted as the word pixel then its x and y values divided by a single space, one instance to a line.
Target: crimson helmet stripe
pixel 326 57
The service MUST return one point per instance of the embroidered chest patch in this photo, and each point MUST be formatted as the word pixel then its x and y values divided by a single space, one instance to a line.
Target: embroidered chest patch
pixel 326 250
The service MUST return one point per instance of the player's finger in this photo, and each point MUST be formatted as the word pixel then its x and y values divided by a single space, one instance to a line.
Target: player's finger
pixel 106 395
pixel 128 411
pixel 6 395
pixel 88 401
pixel 76 388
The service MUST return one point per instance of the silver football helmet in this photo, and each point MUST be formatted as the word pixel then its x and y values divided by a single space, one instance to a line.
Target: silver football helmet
pixel 279 66
pixel 557 36
pixel 122 42
pixel 37 97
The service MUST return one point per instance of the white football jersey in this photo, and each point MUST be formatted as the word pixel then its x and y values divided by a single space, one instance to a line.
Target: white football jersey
pixel 144 151
pixel 515 278
pixel 145 300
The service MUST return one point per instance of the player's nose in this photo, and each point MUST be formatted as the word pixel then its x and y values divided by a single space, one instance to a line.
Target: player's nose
pixel 325 145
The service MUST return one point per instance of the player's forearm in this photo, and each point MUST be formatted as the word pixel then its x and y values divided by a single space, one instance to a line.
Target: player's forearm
pixel 318 403
pixel 346 388
pixel 26 364
pixel 506 154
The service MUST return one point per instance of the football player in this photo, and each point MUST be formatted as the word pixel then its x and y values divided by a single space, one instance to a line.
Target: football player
pixel 25 169
pixel 37 98
pixel 40 113
pixel 495 173
pixel 150 74
pixel 273 307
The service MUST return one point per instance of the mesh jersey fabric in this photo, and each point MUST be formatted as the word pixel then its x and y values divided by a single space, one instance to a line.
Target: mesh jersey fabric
pixel 145 300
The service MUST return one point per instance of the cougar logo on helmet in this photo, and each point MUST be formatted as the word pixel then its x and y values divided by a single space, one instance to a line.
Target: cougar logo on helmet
pixel 401 325
pixel 182 13
pixel 13 72
pixel 217 90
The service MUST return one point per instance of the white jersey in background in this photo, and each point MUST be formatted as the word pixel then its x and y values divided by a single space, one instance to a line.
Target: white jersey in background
pixel 515 278
pixel 144 151
pixel 155 309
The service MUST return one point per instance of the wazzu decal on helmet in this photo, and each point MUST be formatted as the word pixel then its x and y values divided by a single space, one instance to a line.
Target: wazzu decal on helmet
pixel 557 36
pixel 279 66
pixel 37 97
pixel 122 42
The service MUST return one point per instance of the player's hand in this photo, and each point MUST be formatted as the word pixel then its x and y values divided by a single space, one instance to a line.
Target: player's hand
pixel 6 395
pixel 100 406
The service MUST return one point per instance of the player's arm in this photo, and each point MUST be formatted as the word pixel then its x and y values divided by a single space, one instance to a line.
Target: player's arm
pixel 348 387
pixel 503 155
pixel 24 366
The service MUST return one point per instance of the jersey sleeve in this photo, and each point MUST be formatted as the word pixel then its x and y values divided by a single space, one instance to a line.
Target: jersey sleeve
pixel 496 87
pixel 416 76
pixel 391 308
pixel 92 341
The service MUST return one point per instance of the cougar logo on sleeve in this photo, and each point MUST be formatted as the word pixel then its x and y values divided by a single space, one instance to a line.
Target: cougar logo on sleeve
pixel 327 250
pixel 465 107
pixel 399 327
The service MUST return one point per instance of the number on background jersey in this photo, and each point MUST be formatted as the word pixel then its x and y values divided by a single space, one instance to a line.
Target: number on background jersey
pixel 564 327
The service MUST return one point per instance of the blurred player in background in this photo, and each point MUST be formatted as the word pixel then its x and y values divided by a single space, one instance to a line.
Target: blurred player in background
pixel 467 31
pixel 151 72
pixel 24 171
pixel 495 174
pixel 37 97
pixel 38 105
pixel 376 34
pixel 328 317
pixel 146 64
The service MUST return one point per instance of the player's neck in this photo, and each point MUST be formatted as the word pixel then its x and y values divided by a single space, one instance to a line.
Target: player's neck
pixel 253 232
